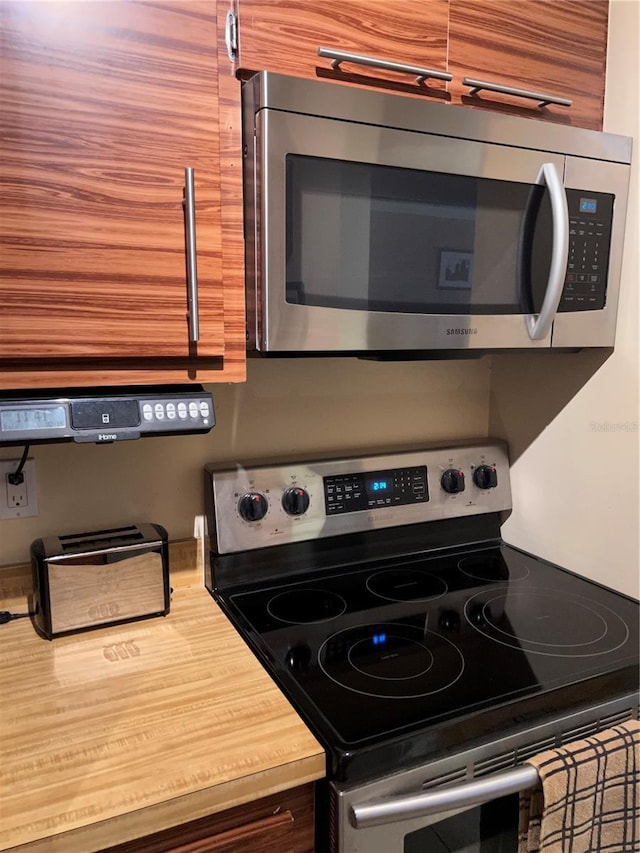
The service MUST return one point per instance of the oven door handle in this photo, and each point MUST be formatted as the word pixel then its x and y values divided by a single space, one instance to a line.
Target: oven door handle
pixel 455 798
pixel 539 325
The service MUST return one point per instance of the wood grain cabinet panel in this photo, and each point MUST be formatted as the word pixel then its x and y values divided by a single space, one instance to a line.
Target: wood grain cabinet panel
pixel 104 104
pixel 556 47
pixel 274 834
pixel 282 823
pixel 284 37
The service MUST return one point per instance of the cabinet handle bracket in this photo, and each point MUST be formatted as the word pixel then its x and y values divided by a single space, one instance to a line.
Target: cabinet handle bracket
pixel 422 74
pixel 481 85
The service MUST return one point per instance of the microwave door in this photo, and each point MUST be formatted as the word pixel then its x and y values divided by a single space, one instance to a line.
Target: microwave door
pixel 376 239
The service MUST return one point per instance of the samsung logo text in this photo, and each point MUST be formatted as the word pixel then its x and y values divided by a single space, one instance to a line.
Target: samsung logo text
pixel 455 331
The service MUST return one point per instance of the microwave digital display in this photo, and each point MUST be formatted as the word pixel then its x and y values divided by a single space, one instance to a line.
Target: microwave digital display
pixel 588 205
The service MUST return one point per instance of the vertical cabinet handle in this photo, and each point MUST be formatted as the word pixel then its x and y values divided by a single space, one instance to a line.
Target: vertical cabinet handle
pixel 189 202
pixel 231 35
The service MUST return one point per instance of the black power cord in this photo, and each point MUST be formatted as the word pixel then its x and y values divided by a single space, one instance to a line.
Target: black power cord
pixel 16 478
pixel 6 616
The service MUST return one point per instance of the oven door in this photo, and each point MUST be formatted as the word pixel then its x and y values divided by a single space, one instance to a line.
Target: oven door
pixel 375 239
pixel 490 828
pixel 480 816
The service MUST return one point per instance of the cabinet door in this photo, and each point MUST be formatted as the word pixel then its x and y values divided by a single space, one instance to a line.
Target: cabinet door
pixel 274 834
pixel 556 47
pixel 284 37
pixel 103 106
pixel 281 823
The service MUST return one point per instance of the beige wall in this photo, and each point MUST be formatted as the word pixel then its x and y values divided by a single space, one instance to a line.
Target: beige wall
pixel 286 406
pixel 572 421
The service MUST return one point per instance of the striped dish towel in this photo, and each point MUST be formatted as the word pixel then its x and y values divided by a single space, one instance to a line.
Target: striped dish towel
pixel 589 798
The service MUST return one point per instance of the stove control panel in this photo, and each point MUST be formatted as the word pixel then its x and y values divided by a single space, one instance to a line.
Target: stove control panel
pixel 375 490
pixel 259 505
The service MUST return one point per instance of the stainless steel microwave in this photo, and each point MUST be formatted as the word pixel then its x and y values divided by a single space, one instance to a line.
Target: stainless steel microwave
pixel 378 223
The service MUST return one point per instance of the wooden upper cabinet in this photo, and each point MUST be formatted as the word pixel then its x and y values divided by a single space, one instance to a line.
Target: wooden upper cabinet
pixel 555 47
pixel 285 37
pixel 103 106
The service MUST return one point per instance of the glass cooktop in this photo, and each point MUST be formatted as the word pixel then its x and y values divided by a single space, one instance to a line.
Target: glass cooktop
pixel 371 654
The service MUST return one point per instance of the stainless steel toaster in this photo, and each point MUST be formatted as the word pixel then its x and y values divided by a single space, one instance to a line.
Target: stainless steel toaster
pixel 89 580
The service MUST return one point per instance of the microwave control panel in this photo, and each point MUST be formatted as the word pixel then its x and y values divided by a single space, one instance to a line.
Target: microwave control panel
pixel 590 217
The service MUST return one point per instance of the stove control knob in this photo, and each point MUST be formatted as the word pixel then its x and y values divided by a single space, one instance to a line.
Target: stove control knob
pixel 452 481
pixel 253 506
pixel 485 477
pixel 298 658
pixel 295 501
pixel 449 621
pixel 480 615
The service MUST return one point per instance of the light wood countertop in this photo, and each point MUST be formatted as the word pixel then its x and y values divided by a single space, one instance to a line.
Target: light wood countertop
pixel 112 734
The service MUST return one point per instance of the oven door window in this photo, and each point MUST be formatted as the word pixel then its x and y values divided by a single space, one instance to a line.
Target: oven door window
pixel 382 238
pixel 491 828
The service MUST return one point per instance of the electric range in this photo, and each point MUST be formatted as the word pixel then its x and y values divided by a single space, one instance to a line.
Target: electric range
pixel 378 593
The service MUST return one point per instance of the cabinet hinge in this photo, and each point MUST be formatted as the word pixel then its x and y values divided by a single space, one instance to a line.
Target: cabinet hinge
pixel 231 35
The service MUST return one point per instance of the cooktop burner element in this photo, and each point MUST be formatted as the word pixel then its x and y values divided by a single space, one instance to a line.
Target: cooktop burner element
pixel 491 567
pixel 544 622
pixel 306 606
pixel 396 661
pixel 376 667
pixel 401 624
pixel 406 585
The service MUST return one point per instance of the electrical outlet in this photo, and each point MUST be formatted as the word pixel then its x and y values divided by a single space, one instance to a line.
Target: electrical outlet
pixel 19 500
pixel 17 493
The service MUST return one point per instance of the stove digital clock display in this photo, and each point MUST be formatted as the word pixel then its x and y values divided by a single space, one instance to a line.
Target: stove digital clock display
pixel 375 490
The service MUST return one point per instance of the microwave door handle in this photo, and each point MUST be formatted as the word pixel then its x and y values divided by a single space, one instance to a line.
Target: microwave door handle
pixel 454 798
pixel 539 326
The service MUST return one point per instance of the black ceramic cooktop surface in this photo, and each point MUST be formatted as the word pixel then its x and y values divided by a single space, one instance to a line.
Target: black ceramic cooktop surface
pixel 372 654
